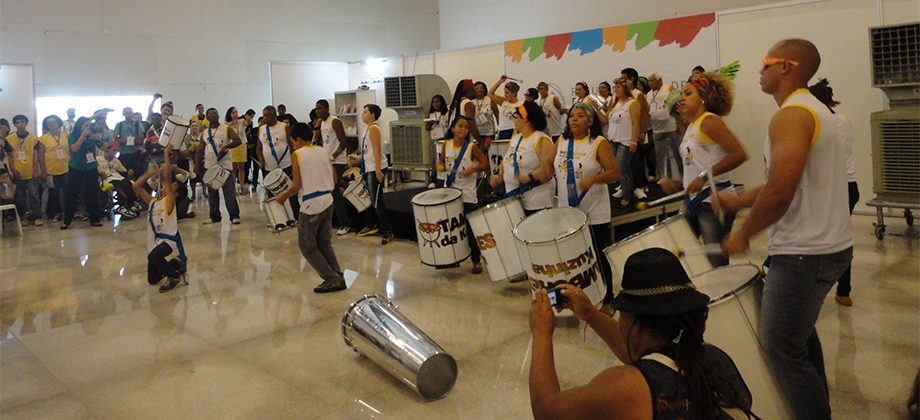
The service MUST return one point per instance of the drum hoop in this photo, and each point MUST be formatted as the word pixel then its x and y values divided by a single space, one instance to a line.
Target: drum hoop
pixel 759 276
pixel 353 186
pixel 178 121
pixel 495 205
pixel 556 239
pixel 651 228
pixel 441 203
pixel 350 311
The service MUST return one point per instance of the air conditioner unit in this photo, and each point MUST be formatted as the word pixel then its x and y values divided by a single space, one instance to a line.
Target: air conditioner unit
pixel 410 96
pixel 896 131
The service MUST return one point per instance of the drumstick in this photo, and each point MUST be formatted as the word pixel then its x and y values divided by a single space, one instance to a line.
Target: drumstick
pixel 643 205
pixel 520 81
pixel 705 249
pixel 714 195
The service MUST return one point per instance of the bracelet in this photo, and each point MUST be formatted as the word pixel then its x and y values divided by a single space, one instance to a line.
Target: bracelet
pixel 584 334
pixel 704 173
pixel 532 178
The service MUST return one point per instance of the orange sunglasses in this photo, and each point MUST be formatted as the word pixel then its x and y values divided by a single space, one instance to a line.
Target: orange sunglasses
pixel 769 61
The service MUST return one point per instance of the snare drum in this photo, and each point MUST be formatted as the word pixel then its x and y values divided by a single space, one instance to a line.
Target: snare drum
pixel 557 247
pixel 277 182
pixel 441 227
pixel 173 133
pixel 215 177
pixel 493 226
pixel 280 216
pixel 673 234
pixel 734 325
pixel 357 195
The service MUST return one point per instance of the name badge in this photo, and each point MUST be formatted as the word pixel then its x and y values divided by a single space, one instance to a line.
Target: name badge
pixel 90 158
pixel 21 155
pixel 60 153
pixel 130 141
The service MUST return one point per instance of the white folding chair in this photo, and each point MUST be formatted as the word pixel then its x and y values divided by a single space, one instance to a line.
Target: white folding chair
pixel 13 208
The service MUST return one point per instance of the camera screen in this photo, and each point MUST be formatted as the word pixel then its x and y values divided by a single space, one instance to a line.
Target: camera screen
pixel 552 297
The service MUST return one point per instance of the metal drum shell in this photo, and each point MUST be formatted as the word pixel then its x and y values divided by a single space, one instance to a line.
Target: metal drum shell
pixel 501 256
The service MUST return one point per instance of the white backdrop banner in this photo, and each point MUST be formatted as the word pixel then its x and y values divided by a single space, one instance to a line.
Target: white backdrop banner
pixel 672 47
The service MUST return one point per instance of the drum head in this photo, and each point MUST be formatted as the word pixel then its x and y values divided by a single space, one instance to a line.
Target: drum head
pixel 353 186
pixel 177 120
pixel 274 177
pixel 723 281
pixel 211 174
pixel 436 196
pixel 550 225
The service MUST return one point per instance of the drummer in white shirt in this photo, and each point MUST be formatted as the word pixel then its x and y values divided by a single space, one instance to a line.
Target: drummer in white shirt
pixel 462 160
pixel 213 151
pixel 274 149
pixel 527 167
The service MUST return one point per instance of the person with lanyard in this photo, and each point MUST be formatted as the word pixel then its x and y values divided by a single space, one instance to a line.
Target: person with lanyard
pixel 465 160
pixel 54 165
pixel 581 92
pixel 584 165
pixel 82 175
pixel 333 139
pixel 664 128
pixel 803 207
pixel 552 107
pixel 709 149
pixel 26 169
pixel 373 166
pixel 314 180
pixel 163 238
pixel 507 104
pixel 130 137
pixel 623 132
pixel 668 371
pixel 213 151
pixel 436 124
pixel 274 148
pixel 486 110
pixel 637 165
pixel 527 166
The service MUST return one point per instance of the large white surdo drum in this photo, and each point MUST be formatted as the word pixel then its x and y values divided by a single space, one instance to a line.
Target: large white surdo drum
pixel 215 177
pixel 673 234
pixel 277 182
pixel 441 227
pixel 280 215
pixel 557 246
pixel 174 130
pixel 493 226
pixel 357 195
pixel 734 325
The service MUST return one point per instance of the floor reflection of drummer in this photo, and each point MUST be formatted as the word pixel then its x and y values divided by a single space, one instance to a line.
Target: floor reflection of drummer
pixel 708 145
pixel 462 160
pixel 590 161
pixel 669 372
pixel 527 167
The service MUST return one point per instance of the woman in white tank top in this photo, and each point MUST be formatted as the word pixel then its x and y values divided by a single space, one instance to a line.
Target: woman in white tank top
pixel 623 132
pixel 709 149
pixel 462 160
pixel 552 107
pixel 507 104
pixel 527 167
pixel 486 110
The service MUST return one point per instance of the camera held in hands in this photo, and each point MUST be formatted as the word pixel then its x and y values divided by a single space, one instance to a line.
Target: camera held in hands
pixel 555 296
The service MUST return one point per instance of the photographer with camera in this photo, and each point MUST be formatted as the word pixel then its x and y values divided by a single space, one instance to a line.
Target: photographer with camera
pixel 668 371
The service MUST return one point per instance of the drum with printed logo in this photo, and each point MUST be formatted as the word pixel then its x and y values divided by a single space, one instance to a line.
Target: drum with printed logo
pixel 357 195
pixel 215 177
pixel 556 244
pixel 441 227
pixel 277 182
pixel 280 216
pixel 173 133
pixel 493 226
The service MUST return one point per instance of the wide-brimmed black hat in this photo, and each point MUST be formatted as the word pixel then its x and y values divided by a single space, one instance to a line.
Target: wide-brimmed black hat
pixel 655 283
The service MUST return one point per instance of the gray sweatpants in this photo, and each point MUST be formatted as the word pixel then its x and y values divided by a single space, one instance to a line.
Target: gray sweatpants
pixel 314 237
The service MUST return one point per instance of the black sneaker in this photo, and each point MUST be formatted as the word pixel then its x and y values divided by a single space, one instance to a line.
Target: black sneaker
pixel 326 287
pixel 368 231
pixel 387 238
pixel 171 283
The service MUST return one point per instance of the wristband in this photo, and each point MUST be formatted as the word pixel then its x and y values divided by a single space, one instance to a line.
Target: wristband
pixel 584 333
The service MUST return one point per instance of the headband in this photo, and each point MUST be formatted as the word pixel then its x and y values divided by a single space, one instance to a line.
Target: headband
pixel 588 110
pixel 523 112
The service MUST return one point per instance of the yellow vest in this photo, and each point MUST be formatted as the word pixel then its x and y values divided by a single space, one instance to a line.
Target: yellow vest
pixel 56 162
pixel 23 153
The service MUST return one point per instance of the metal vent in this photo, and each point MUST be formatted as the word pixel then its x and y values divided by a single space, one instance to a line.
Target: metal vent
pixel 900 149
pixel 401 92
pixel 896 55
pixel 408 146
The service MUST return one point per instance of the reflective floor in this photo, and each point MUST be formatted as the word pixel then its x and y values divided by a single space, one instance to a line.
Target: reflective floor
pixel 85 336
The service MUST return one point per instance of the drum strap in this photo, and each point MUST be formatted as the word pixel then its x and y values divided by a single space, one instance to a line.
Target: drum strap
pixel 524 187
pixel 177 238
pixel 271 145
pixel 213 146
pixel 453 173
pixel 314 195
pixel 691 204
pixel 571 188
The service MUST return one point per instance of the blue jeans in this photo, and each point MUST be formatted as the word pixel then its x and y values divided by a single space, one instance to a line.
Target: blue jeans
pixel 29 198
pixel 379 216
pixel 794 292
pixel 705 224
pixel 622 154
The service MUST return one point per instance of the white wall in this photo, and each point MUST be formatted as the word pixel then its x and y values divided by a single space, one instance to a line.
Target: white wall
pixel 217 53
pixel 17 94
pixel 299 85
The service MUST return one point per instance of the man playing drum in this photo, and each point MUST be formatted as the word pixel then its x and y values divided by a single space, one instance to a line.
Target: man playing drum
pixel 274 148
pixel 214 150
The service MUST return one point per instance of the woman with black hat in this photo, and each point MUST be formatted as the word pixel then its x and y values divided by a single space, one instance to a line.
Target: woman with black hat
pixel 669 373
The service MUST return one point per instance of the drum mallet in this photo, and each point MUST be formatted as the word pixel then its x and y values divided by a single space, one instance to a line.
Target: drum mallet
pixel 643 205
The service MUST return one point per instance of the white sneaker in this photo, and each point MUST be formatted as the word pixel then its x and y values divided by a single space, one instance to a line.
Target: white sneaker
pixel 640 194
pixel 618 193
pixel 342 231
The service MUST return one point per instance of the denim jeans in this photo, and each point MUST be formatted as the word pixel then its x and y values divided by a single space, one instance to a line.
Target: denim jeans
pixel 57 195
pixel 29 197
pixel 794 292
pixel 233 207
pixel 85 185
pixel 379 216
pixel 843 283
pixel 314 238
pixel 623 155
pixel 705 224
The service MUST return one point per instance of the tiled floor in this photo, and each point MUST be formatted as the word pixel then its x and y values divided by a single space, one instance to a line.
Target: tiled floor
pixel 84 336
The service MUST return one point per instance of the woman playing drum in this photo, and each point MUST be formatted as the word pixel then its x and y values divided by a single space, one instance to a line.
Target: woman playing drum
pixel 527 167
pixel 584 165
pixel 709 149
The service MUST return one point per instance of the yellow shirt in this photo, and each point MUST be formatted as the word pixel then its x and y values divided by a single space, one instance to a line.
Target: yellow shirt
pixel 23 152
pixel 57 153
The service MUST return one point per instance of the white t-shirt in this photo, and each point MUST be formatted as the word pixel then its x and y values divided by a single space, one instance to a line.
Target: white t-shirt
pixel 506 115
pixel 700 152
pixel 554 122
pixel 524 150
pixel 367 149
pixel 315 175
pixel 440 127
pixel 619 125
pixel 281 158
pixel 485 118
pixel 660 119
pixel 596 201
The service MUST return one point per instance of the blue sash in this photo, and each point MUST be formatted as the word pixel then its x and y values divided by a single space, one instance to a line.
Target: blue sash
pixel 177 238
pixel 691 204
pixel 571 189
pixel 524 187
pixel 453 173
pixel 268 134
pixel 314 195
pixel 214 147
